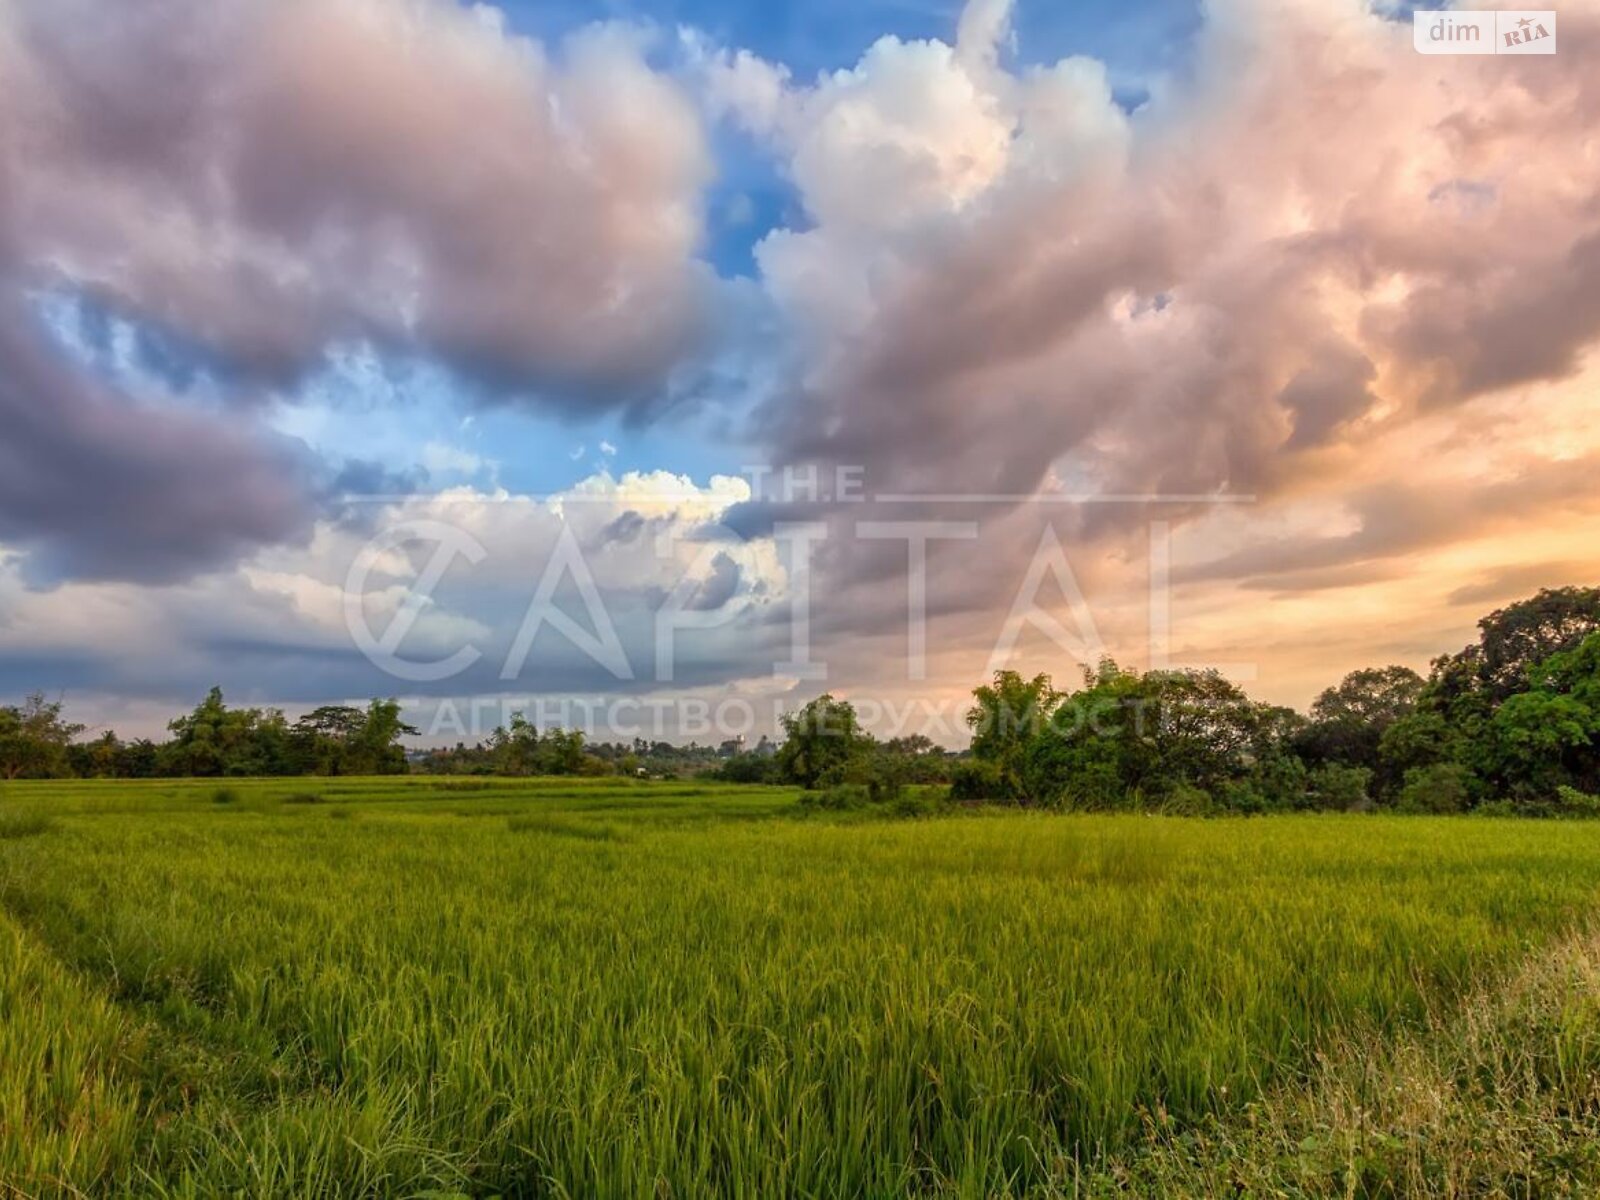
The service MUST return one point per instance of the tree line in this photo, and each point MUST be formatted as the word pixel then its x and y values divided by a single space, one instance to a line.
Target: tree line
pixel 216 740
pixel 37 742
pixel 1510 723
pixel 523 749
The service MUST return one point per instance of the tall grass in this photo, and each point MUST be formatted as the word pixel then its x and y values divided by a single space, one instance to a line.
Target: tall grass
pixel 615 989
pixel 24 824
pixel 1498 1095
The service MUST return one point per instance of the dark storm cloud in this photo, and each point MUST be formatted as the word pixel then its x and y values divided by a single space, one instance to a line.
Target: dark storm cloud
pixel 624 529
pixel 267 180
pixel 719 587
pixel 1328 394
pixel 1519 323
pixel 248 185
pixel 96 488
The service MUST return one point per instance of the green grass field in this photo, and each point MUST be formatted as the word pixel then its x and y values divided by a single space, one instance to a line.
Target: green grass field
pixel 433 987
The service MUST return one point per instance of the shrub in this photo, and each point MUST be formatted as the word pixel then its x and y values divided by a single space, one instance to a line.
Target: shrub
pixel 592 766
pixel 921 802
pixel 1244 796
pixel 225 795
pixel 858 798
pixel 976 779
pixel 1340 788
pixel 1570 802
pixel 749 768
pixel 1441 788
pixel 1279 782
pixel 1497 808
pixel 1090 785
pixel 842 797
pixel 885 777
pixel 1186 800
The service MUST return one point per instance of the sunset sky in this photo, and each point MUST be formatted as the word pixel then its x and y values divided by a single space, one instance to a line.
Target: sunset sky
pixel 1250 288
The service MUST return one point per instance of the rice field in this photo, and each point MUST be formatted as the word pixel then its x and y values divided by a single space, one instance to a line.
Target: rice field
pixel 552 988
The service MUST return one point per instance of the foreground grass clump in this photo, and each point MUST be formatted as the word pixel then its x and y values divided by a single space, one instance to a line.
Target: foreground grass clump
pixel 614 988
pixel 24 824
pixel 1498 1095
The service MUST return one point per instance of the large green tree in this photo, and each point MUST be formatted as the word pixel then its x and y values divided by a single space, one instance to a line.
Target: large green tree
pixel 1548 737
pixel 522 749
pixel 34 739
pixel 217 740
pixel 1509 711
pixel 1129 739
pixel 1007 713
pixel 821 742
pixel 1348 722
pixel 338 739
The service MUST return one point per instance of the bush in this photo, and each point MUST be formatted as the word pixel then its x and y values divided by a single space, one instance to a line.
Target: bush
pixel 1341 789
pixel 858 798
pixel 842 797
pixel 1089 785
pixel 1441 788
pixel 1186 800
pixel 1570 802
pixel 978 780
pixel 885 777
pixel 1278 783
pixel 225 795
pixel 921 802
pixel 1245 796
pixel 592 766
pixel 749 768
pixel 1497 808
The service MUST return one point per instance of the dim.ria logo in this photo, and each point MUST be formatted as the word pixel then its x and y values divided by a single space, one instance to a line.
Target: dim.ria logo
pixel 1518 31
